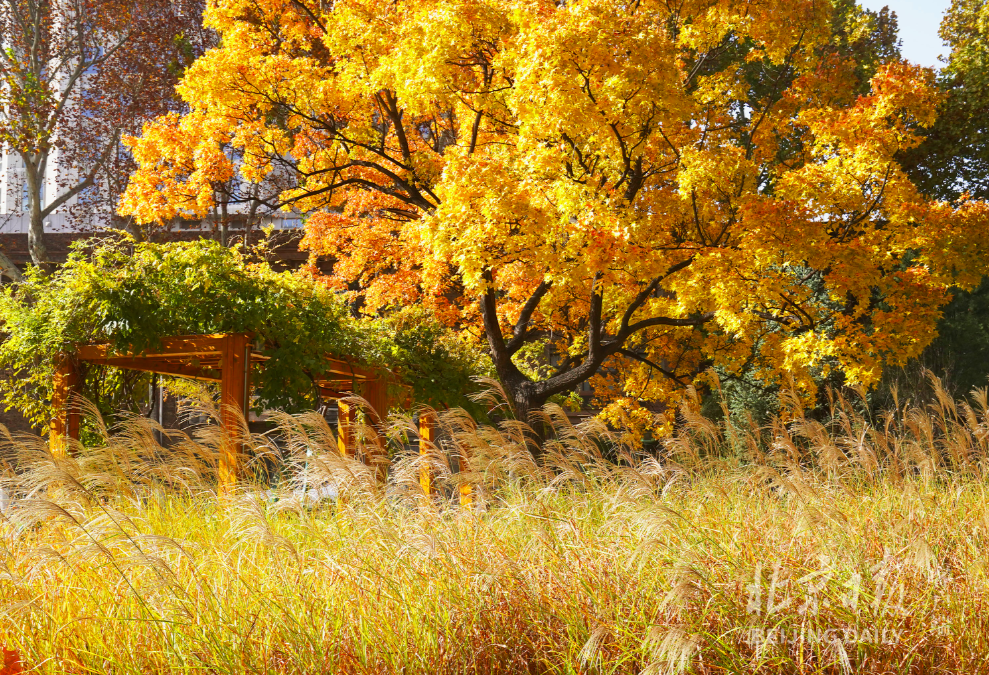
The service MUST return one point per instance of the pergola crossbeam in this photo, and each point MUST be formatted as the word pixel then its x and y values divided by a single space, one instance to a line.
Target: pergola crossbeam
pixel 185 345
pixel 157 365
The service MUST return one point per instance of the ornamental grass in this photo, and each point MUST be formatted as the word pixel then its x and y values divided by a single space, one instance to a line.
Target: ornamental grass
pixel 851 545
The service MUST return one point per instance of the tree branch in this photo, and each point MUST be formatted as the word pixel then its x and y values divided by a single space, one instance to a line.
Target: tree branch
pixel 8 267
pixel 698 320
pixel 474 131
pixel 666 372
pixel 525 316
pixel 86 182
pixel 640 299
pixel 507 370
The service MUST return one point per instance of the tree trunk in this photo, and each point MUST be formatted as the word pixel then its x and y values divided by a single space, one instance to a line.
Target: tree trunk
pixel 525 396
pixel 224 225
pixel 526 400
pixel 249 225
pixel 134 229
pixel 9 269
pixel 36 231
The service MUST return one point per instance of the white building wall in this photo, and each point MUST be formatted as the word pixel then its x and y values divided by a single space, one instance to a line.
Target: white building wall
pixel 15 217
pixel 4 181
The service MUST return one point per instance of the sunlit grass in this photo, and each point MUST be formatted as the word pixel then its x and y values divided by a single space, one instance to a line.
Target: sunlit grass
pixel 856 547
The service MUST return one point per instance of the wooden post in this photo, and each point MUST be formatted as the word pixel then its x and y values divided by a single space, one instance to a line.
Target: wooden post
pixel 66 406
pixel 376 395
pixel 234 386
pixel 346 419
pixel 427 442
pixel 466 491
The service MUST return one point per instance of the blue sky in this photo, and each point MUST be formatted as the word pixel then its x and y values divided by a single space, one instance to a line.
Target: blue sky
pixel 919 21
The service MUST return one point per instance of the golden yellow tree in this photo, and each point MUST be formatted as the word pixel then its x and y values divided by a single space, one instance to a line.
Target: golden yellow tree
pixel 645 189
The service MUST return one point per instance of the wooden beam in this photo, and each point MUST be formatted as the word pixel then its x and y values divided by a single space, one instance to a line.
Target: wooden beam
pixel 212 346
pixel 184 345
pixel 152 364
pixel 337 385
pixel 234 387
pixel 65 402
pixel 344 370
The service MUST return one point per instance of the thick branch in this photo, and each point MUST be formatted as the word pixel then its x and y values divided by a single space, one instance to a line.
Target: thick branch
pixel 508 372
pixel 8 268
pixel 86 182
pixel 390 104
pixel 652 364
pixel 640 299
pixel 525 316
pixel 474 131
pixel 698 320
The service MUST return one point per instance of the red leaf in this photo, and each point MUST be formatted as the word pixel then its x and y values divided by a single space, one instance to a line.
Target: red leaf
pixel 11 662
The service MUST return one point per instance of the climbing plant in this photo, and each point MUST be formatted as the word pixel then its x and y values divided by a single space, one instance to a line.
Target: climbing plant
pixel 132 295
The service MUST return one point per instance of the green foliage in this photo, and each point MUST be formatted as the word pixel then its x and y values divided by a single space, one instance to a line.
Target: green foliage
pixel 954 157
pixel 952 160
pixel 741 397
pixel 439 366
pixel 958 356
pixel 131 296
pixel 869 37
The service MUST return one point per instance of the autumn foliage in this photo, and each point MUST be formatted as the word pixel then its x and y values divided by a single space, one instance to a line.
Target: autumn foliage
pixel 642 190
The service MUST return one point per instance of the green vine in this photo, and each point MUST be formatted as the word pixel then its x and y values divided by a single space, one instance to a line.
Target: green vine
pixel 132 295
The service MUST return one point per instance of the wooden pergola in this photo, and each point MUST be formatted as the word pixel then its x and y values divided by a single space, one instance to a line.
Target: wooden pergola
pixel 226 359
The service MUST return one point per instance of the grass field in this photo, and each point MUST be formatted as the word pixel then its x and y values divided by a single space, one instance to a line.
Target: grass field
pixel 856 546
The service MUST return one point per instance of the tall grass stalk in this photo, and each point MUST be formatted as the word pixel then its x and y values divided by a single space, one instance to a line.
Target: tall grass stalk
pixel 855 545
